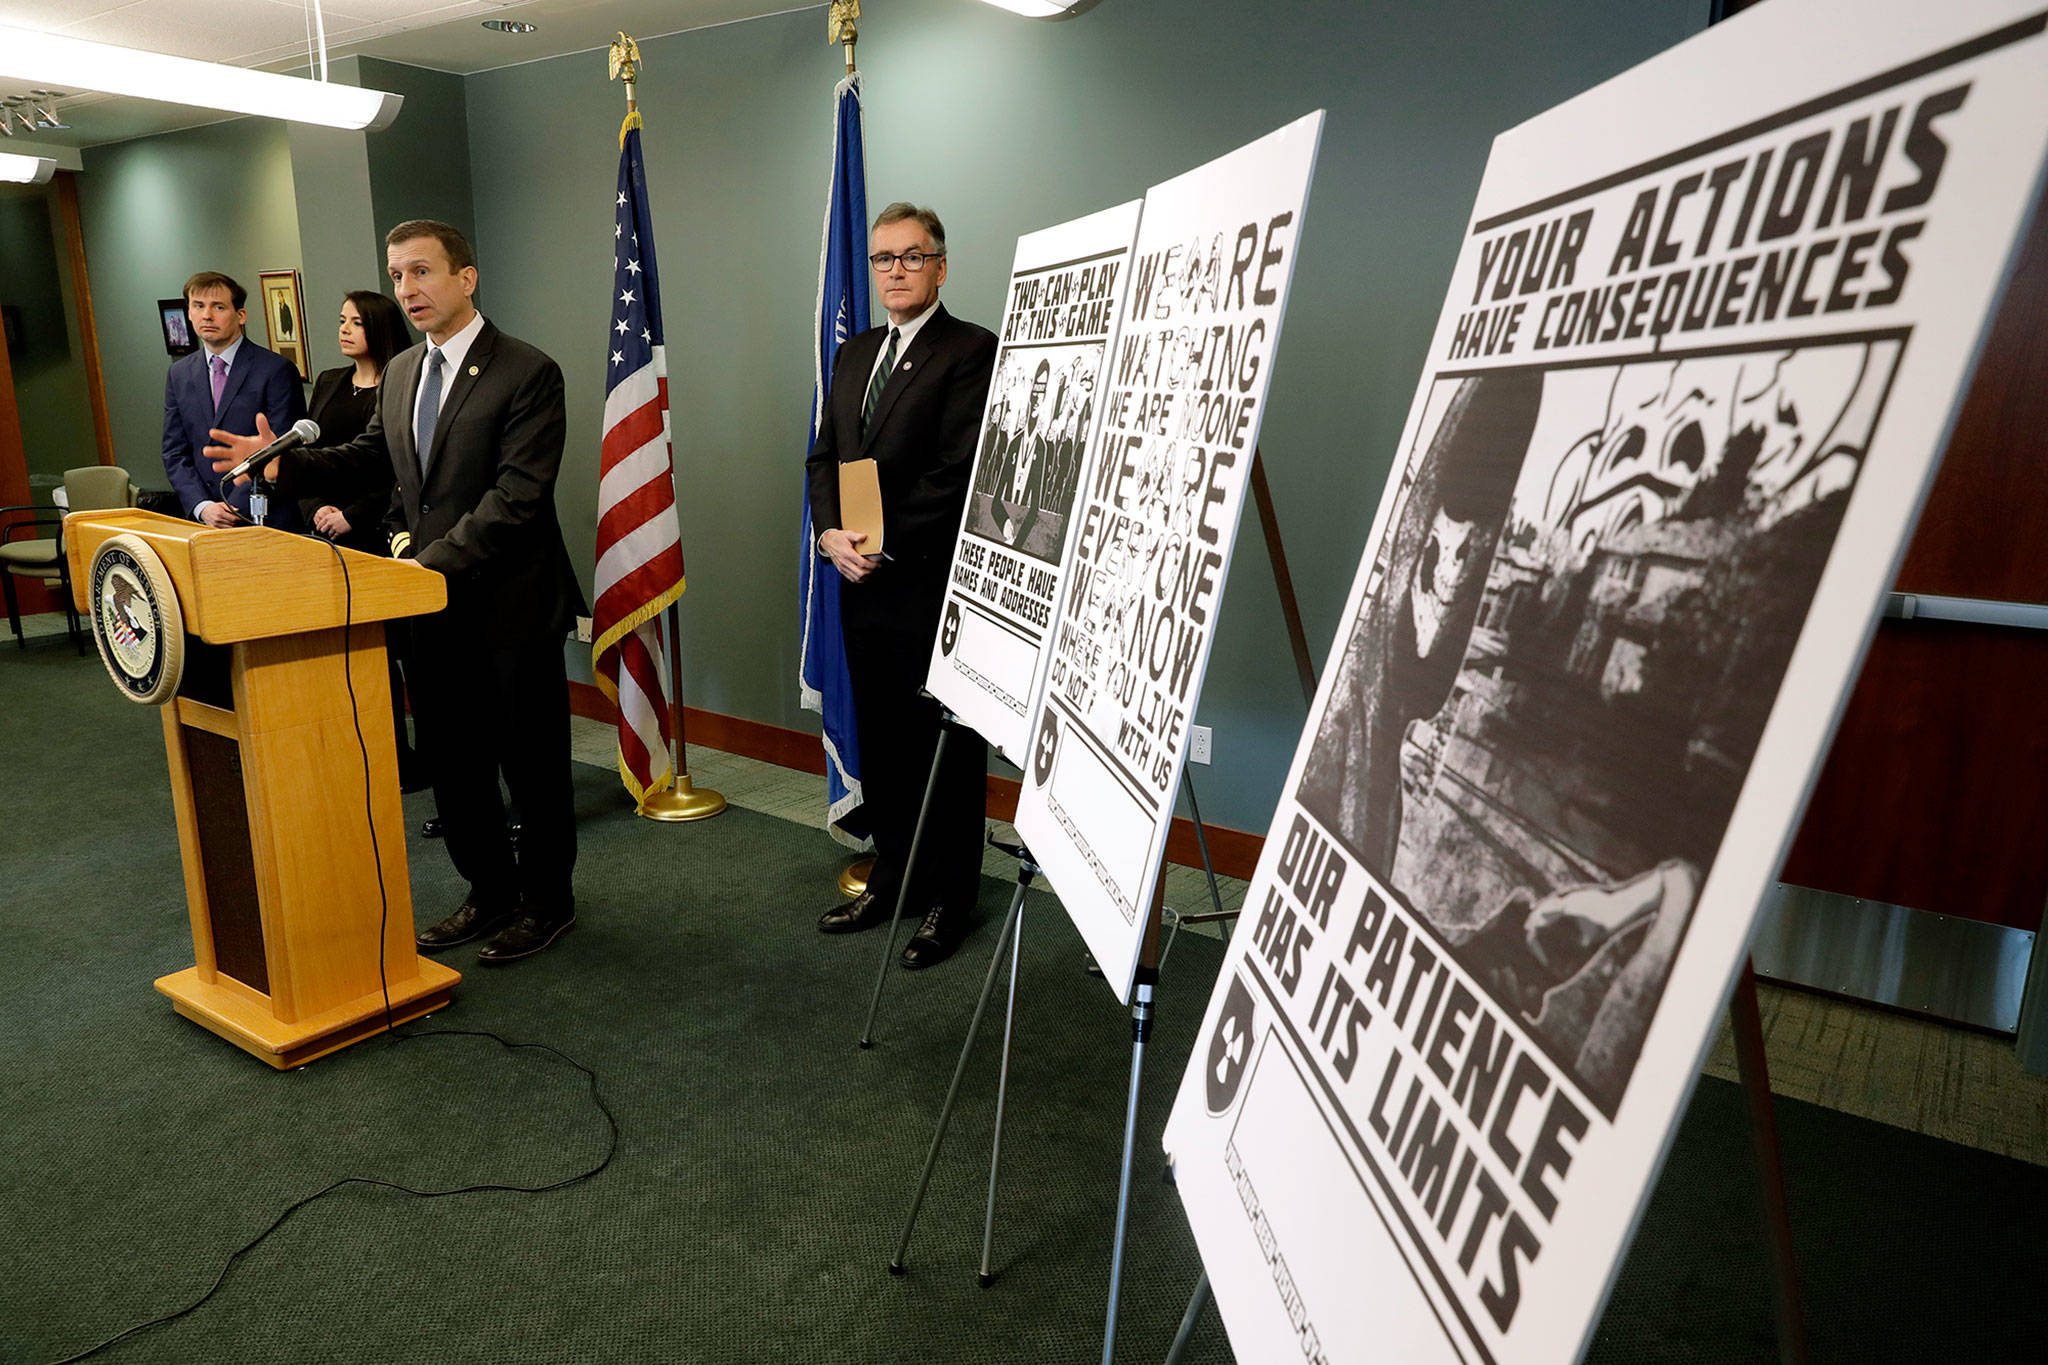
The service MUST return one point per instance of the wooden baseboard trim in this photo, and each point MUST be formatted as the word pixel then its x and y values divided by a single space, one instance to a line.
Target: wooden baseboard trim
pixel 37 597
pixel 1235 851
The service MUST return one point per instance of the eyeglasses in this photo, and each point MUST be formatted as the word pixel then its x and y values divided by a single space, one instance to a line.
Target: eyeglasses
pixel 913 261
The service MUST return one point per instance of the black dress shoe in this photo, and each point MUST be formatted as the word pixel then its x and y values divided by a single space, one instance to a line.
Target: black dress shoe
pixel 934 940
pixel 431 828
pixel 526 935
pixel 864 911
pixel 468 922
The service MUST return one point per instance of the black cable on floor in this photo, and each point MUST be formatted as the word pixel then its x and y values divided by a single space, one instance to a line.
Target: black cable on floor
pixel 391 1030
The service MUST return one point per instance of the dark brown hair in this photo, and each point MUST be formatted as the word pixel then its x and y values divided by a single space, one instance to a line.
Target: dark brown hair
pixel 383 324
pixel 460 257
pixel 213 279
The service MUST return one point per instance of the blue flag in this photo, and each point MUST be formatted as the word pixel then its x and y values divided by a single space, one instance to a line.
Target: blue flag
pixel 822 679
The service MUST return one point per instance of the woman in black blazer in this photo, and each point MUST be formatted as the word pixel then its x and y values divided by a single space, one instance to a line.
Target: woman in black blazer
pixel 372 330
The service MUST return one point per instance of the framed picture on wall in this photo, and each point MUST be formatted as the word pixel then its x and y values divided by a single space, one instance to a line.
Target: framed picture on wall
pixel 178 338
pixel 284 315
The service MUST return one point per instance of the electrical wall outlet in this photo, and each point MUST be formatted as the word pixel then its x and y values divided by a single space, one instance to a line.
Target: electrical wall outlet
pixel 1198 744
pixel 583 629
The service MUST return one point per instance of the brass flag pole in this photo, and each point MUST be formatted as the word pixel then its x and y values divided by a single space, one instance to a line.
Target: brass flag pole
pixel 842 28
pixel 682 800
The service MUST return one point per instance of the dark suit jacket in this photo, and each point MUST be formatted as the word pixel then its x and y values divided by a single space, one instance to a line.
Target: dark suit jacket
pixel 259 381
pixel 344 415
pixel 922 443
pixel 484 512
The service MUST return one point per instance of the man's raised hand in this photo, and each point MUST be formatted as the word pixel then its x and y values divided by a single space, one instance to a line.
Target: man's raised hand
pixel 231 449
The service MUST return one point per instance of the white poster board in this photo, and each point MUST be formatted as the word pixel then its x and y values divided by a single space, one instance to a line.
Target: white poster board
pixel 1703 345
pixel 1183 396
pixel 1003 591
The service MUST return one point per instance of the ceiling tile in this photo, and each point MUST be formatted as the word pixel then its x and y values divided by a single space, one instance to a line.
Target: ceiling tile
pixel 53 14
pixel 207 32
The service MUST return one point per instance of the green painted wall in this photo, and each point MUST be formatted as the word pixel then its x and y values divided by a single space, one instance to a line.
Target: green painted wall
pixel 351 188
pixel 1005 125
pixel 338 239
pixel 49 374
pixel 154 211
pixel 418 166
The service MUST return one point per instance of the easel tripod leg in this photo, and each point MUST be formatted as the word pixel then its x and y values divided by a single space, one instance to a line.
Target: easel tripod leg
pixel 1202 842
pixel 924 811
pixel 1141 1032
pixel 1187 783
pixel 1754 1068
pixel 931 1159
pixel 1197 1301
pixel 995 1152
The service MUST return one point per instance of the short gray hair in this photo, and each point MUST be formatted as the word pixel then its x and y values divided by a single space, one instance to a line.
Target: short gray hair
pixel 899 212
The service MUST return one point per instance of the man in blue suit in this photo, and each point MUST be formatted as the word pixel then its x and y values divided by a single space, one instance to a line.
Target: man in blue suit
pixel 224 384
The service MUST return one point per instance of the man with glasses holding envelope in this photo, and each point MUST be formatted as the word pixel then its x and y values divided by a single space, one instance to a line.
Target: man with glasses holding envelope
pixel 909 397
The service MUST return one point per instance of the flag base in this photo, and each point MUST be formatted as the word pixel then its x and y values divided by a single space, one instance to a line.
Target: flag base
pixel 854 879
pixel 683 802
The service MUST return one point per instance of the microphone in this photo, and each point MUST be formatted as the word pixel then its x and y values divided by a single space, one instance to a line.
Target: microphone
pixel 304 432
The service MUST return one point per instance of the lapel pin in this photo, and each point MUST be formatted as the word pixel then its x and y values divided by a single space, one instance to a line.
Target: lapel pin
pixel 472 370
pixel 906 364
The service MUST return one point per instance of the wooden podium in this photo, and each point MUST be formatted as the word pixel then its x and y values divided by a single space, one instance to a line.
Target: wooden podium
pixel 280 877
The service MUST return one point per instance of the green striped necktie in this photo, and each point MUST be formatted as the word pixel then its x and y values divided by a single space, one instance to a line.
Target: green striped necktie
pixel 878 383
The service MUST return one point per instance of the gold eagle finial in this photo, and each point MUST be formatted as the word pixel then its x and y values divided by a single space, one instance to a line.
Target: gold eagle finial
pixel 625 54
pixel 625 60
pixel 840 25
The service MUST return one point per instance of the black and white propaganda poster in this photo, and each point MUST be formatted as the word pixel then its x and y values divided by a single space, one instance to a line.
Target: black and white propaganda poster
pixel 1699 358
pixel 1184 391
pixel 1003 593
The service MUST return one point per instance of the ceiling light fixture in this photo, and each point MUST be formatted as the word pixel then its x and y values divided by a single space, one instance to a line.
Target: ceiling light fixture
pixel 76 64
pixel 1044 9
pixel 511 26
pixel 26 170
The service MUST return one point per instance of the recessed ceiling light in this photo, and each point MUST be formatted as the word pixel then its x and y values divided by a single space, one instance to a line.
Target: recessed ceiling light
pixel 510 26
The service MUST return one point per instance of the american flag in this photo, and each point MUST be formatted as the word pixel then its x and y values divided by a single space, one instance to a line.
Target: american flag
pixel 639 548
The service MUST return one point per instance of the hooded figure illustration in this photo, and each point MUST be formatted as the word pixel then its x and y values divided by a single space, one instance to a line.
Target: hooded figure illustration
pixel 1410 641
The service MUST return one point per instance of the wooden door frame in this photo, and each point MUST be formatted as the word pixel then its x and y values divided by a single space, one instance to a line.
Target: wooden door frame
pixel 73 246
pixel 37 597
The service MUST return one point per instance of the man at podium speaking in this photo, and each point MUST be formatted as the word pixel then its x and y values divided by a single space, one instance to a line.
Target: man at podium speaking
pixel 472 423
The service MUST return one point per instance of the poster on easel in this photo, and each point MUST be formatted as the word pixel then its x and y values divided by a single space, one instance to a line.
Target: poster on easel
pixel 1182 398
pixel 1003 587
pixel 1701 351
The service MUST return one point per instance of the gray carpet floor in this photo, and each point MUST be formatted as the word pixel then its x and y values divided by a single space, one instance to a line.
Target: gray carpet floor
pixel 765 1162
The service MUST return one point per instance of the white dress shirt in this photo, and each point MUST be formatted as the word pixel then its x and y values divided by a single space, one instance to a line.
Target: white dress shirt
pixel 905 333
pixel 452 355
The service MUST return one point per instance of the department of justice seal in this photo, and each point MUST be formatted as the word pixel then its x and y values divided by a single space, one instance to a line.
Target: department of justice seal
pixel 135 619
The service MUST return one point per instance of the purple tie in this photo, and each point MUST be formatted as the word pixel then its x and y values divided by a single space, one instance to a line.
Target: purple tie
pixel 220 378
